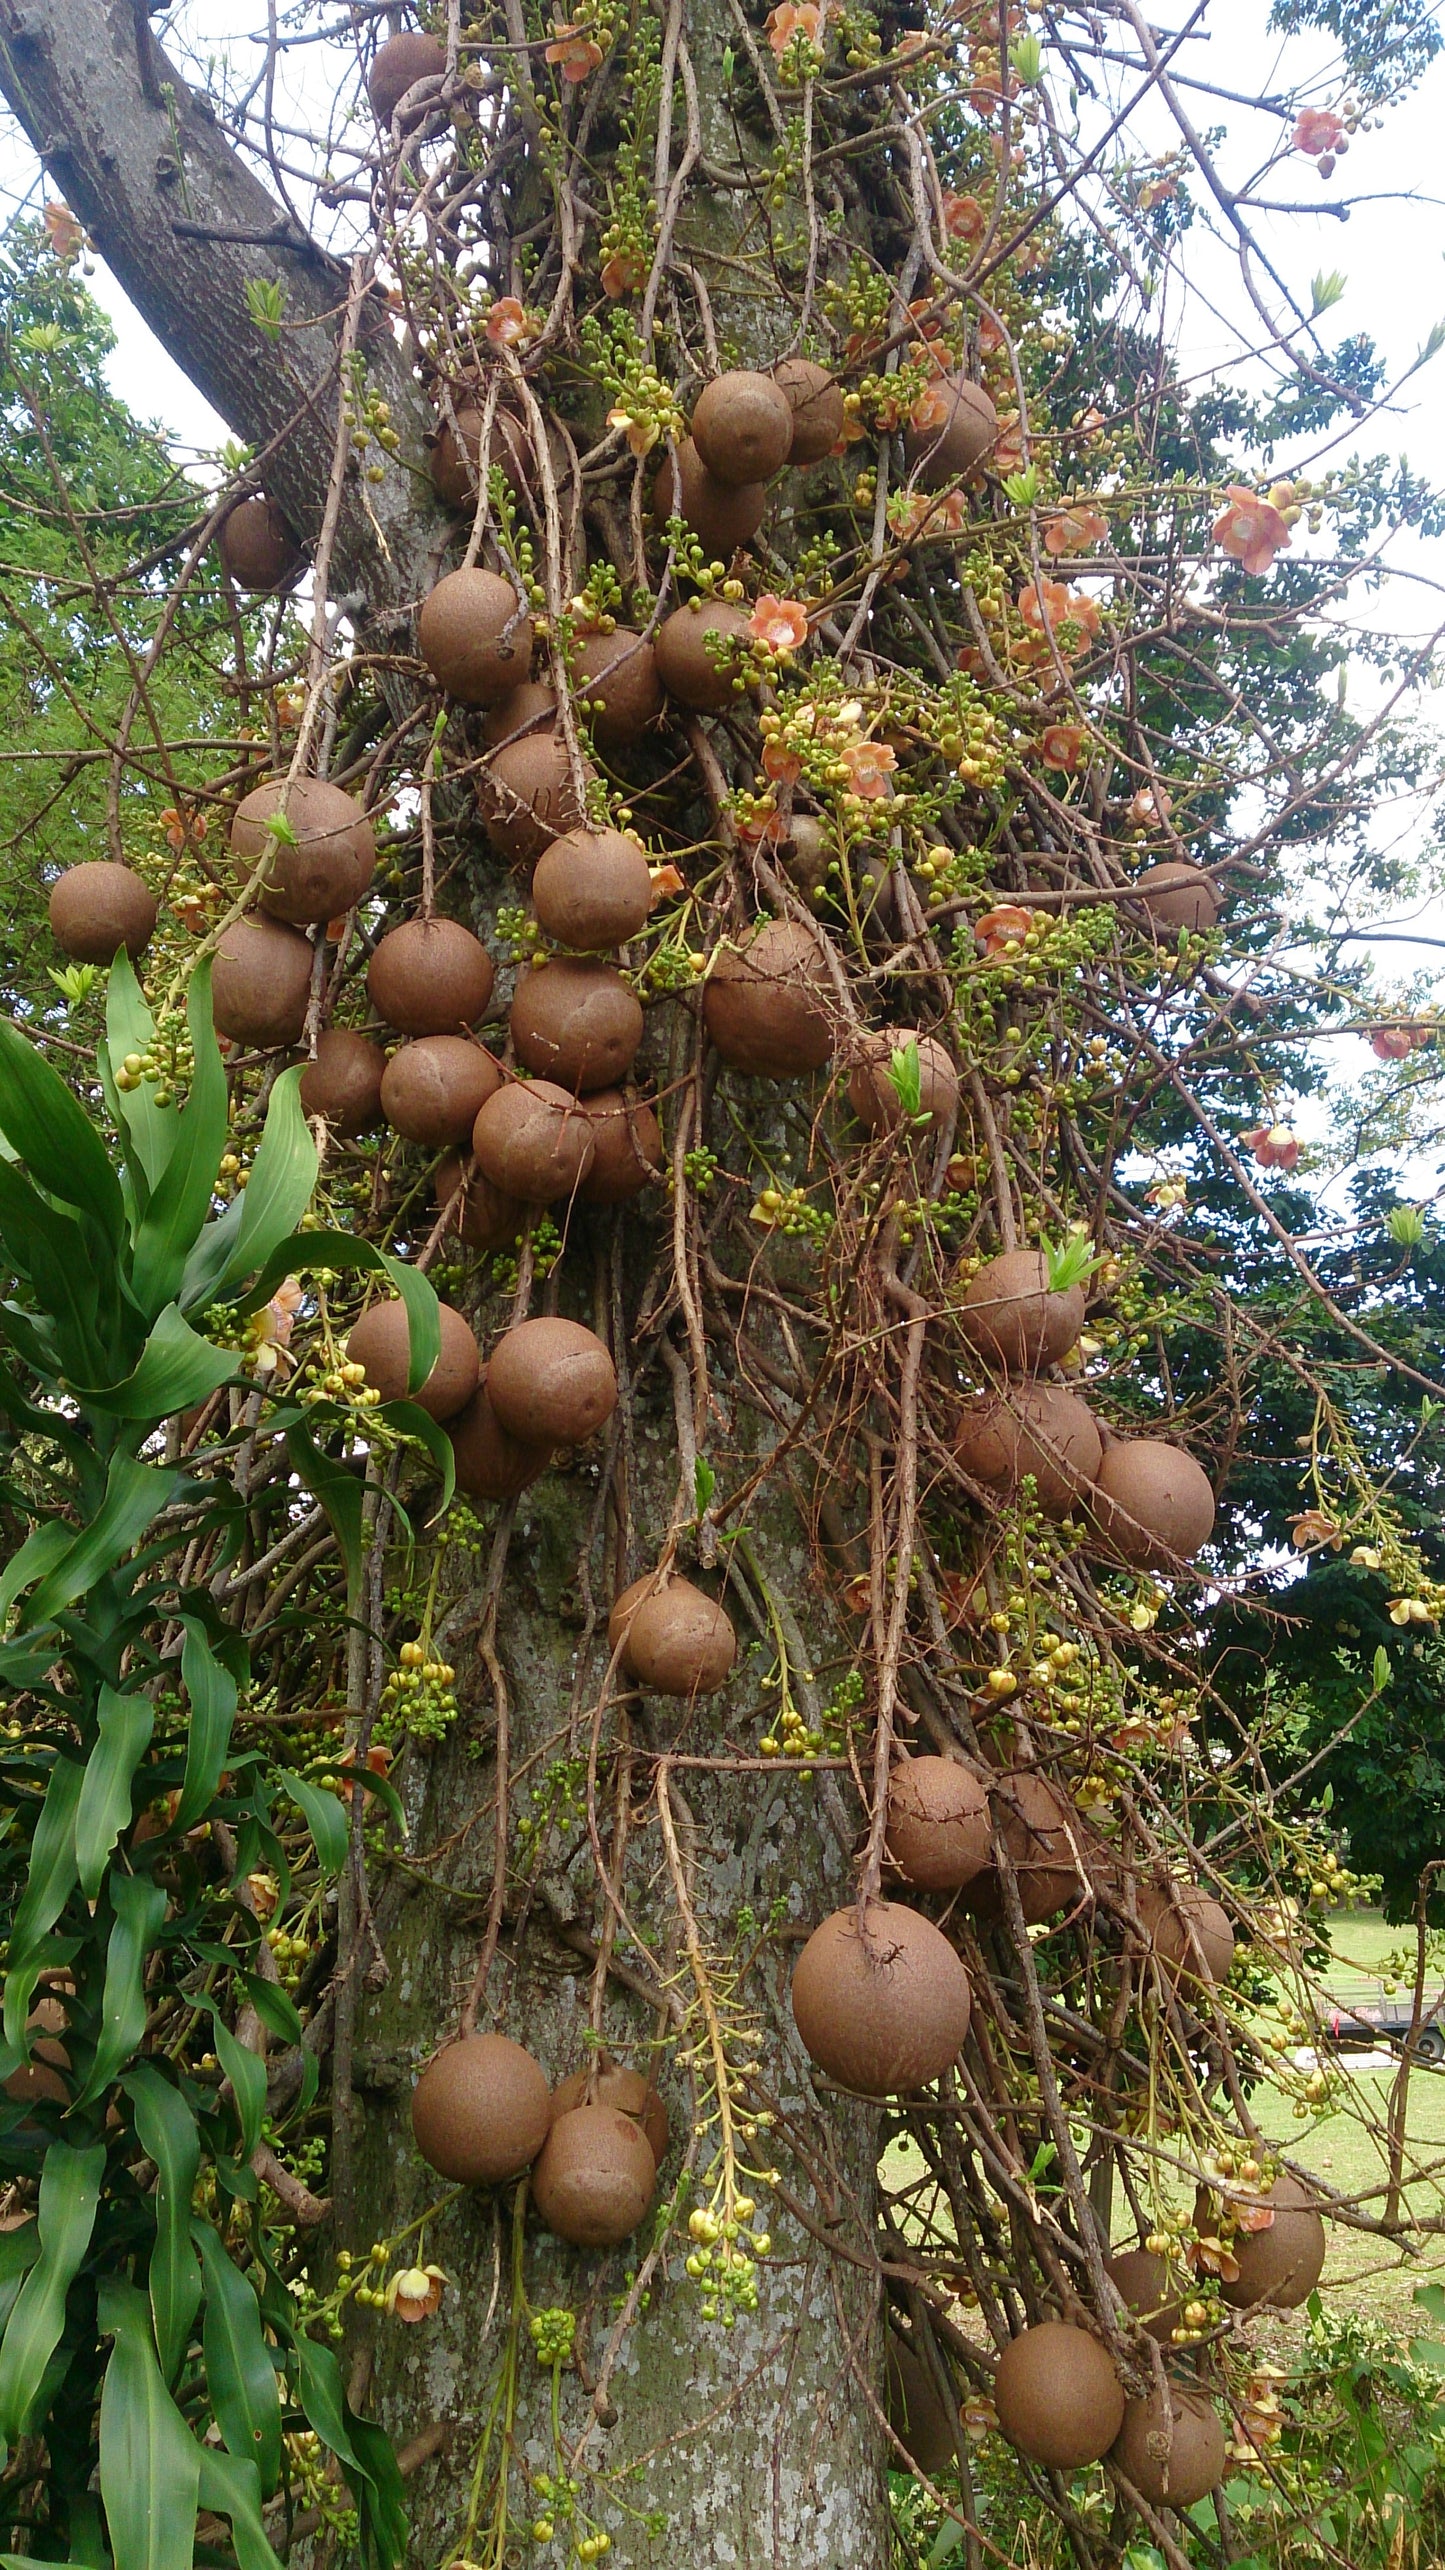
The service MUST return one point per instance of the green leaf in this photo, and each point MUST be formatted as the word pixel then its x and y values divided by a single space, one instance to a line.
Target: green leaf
pixel 38 1554
pixel 905 1076
pixel 135 1494
pixel 410 1420
pixel 1381 1672
pixel 167 2132
pixel 213 1695
pixel 1070 1263
pixel 325 1817
pixel 232 2488
pixel 239 2371
pixel 1326 288
pixel 64 1267
pixel 69 2195
pixel 150 2464
pixel 146 1130
pixel 247 2074
pixel 140 1909
pixel 48 1886
pixel 704 1483
pixel 176 1367
pixel 1022 488
pixel 181 1199
pixel 54 1136
pixel 18 2253
pixel 126 1724
pixel 282 1181
pixel 339 1491
pixel 1406 1226
pixel 362 2450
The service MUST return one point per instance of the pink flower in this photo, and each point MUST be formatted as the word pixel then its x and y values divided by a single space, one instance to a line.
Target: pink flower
pixel 1062 745
pixel 1273 1146
pixel 1394 1043
pixel 870 764
pixel 915 514
pixel 1074 528
pixel 575 53
pixel 1072 618
pixel 509 324
pixel 963 217
pixel 781 623
pixel 1150 808
pixel 1251 529
pixel 624 273
pixel 268 1332
pixel 783 766
pixel 1318 130
pixel 414 2293
pixel 794 18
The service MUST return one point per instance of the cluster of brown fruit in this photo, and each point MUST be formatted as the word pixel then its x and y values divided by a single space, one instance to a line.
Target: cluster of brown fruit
pixel 1149 1500
pixel 547 1383
pixel 482 2113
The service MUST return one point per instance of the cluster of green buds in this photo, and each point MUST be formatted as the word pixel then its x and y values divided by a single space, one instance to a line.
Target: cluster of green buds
pixel 315 2489
pixel 553 2333
pixel 342 1380
pixel 165 1063
pixel 723 2258
pixel 418 1696
pixel 786 1209
pixel 367 416
pixel 559 2494
pixel 292 1954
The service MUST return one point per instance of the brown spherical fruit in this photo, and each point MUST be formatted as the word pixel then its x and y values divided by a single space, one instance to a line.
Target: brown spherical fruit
pixel 1174 2454
pixel 528 708
pixel 721 515
pixel 596 2177
pixel 551 1381
pixel 475 636
pixel 674 1639
pixel 397 67
pixel 1189 1932
pixel 874 1097
pixel 1145 2288
pixel 430 977
pixel 97 908
pixel 1152 1501
pixel 1058 2396
pixel 742 427
pixel 816 403
pixel 1280 2266
pixel 938 1826
pixel 576 1022
pixel 957 435
pixel 528 798
pixel 1176 895
pixel 916 2410
pixel 481 2110
pixel 617 682
pixel 1041 1830
pixel 629 1148
pixel 624 2090
pixel 1013 1319
pixel 381 1342
pixel 484 1218
pixel 434 1088
pixel 592 889
pixel 455 460
pixel 490 1463
pixel 343 1082
pixel 1033 1428
pixel 883 2007
pixel 701 651
pixel 261 982
pixel 763 1002
pixel 533 1142
pixel 326 864
pixel 259 548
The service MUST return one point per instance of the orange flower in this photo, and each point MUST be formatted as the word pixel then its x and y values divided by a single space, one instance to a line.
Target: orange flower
pixel 1072 618
pixel 870 764
pixel 1008 446
pixel 784 767
pixel 963 217
pixel 575 53
pixel 179 827
pixel 666 880
pixel 912 514
pixel 509 324
pixel 1318 130
pixel 1312 1526
pixel 624 273
pixel 1150 808
pixel 781 623
pixel 793 18
pixel 1062 745
pixel 1251 529
pixel 414 2293
pixel 1273 1146
pixel 1394 1043
pixel 64 233
pixel 765 829
pixel 992 338
pixel 1003 926
pixel 1074 528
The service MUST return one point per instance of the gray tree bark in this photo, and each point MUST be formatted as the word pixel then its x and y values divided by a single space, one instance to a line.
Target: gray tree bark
pixel 745 2446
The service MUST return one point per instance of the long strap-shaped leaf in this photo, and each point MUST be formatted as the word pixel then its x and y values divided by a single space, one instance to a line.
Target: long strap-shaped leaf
pixel 230 2488
pixel 175 1368
pixel 181 1197
pixel 48 1886
pixel 126 1724
pixel 54 1136
pixel 240 2375
pixel 69 2195
pixel 140 1909
pixel 362 2450
pixel 212 1691
pixel 135 1493
pixel 167 2131
pixel 150 2464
